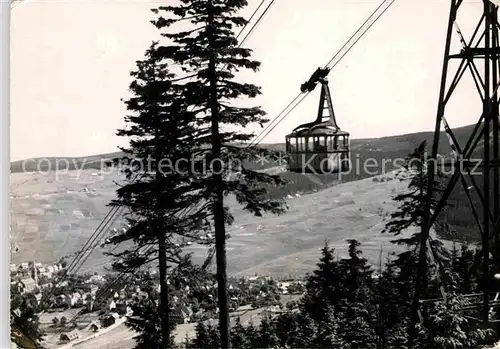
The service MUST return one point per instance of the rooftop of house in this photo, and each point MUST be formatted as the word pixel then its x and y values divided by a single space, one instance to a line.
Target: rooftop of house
pixel 28 281
pixel 70 335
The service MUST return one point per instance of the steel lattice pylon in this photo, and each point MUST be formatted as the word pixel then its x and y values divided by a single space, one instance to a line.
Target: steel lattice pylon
pixel 480 57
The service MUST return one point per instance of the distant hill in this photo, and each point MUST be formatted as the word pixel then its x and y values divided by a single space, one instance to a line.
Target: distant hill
pixel 381 151
pixel 376 148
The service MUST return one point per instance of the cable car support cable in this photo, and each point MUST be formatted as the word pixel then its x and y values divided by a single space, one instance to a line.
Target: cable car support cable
pixel 339 55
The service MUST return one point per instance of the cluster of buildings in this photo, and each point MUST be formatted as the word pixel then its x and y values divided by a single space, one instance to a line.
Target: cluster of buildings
pixel 103 307
pixel 33 277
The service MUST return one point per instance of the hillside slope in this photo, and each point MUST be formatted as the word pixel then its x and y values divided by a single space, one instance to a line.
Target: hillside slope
pixel 51 218
pixel 54 213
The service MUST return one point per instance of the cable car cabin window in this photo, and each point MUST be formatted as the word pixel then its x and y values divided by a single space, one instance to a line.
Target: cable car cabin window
pixel 319 144
pixel 310 144
pixel 329 143
pixel 301 145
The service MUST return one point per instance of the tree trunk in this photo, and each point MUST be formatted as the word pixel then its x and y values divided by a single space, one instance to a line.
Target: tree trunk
pixel 218 203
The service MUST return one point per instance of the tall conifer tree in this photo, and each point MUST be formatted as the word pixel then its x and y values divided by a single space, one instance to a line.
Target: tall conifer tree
pixel 210 55
pixel 159 189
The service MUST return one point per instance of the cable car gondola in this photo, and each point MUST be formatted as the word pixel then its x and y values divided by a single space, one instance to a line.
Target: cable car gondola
pixel 319 146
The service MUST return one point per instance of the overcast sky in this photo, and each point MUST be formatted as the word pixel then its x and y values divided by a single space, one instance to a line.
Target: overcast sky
pixel 70 63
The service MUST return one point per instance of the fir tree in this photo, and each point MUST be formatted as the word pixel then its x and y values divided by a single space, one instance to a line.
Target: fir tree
pixel 209 54
pixel 160 131
pixel 466 270
pixel 328 332
pixel 202 337
pixel 447 327
pixel 267 337
pixel 285 327
pixel 24 319
pixel 413 206
pixel 393 299
pixel 356 308
pixel 239 337
pixel 214 337
pixel 323 286
pixel 146 319
pixel 305 332
pixel 252 334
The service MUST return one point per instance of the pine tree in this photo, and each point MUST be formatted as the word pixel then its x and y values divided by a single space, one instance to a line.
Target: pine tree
pixel 411 212
pixel 252 334
pixel 305 332
pixel 464 267
pixel 202 337
pixel 239 337
pixel 447 327
pixel 214 337
pixel 267 337
pixel 323 287
pixel 160 130
pixel 328 333
pixel 285 327
pixel 412 205
pixel 357 272
pixel 356 310
pixel 24 318
pixel 209 54
pixel 146 320
pixel 393 299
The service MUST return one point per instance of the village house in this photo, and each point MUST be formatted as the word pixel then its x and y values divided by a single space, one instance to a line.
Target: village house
pixel 178 316
pixel 283 286
pixel 96 279
pixel 46 286
pixel 28 285
pixel 95 326
pixel 109 319
pixel 75 299
pixel 69 337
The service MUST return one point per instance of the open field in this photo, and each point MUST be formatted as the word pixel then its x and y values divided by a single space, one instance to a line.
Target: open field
pixel 53 217
pixel 383 151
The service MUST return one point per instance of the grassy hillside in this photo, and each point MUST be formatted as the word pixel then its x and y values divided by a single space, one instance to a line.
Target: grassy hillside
pixel 52 218
pixel 381 151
